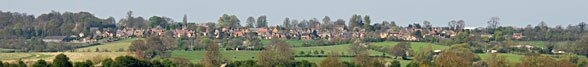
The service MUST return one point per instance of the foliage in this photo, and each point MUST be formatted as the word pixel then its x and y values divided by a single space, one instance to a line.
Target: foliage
pixel 129 61
pixel 88 63
pixel 212 56
pixel 61 61
pixel 229 21
pixel 40 63
pixel 401 49
pixel 395 63
pixel 261 21
pixel 332 60
pixel 456 57
pixel 497 61
pixel 281 55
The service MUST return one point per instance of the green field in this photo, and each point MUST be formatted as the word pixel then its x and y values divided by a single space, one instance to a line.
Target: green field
pixel 112 46
pixel 543 43
pixel 16 56
pixel 513 58
pixel 294 43
pixel 335 48
pixel 416 46
pixel 196 56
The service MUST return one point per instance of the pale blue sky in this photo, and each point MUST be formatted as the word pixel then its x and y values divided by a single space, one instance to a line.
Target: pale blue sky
pixel 439 12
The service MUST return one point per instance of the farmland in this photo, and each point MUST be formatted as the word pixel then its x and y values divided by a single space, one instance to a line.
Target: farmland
pixel 197 56
pixel 112 46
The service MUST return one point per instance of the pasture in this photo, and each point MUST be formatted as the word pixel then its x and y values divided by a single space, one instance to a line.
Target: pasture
pixel 111 46
pixel 415 46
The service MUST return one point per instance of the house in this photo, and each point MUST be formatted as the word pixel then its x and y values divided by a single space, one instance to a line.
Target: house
pixel 54 39
pixel 517 35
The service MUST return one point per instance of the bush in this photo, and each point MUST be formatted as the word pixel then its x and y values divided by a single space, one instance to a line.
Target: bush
pixel 305 63
pixel 395 63
pixel 61 61
pixel 129 61
pixel 88 63
pixel 40 63
pixel 107 62
pixel 246 63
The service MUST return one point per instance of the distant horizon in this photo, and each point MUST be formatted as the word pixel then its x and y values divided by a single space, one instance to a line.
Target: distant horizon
pixel 517 13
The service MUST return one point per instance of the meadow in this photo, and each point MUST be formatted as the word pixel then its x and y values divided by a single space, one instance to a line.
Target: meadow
pixel 87 53
pixel 111 46
pixel 415 46
pixel 294 43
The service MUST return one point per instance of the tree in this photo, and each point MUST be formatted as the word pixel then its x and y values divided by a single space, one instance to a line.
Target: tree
pixel 452 24
pixel 497 61
pixel 537 60
pixel 61 61
pixel 340 23
pixel 266 57
pixel 88 63
pixel 460 25
pixel 229 21
pixel 395 63
pixel 456 57
pixel 261 21
pixel 152 47
pixel 155 21
pixel 427 24
pixel 21 63
pixel 493 22
pixel 287 23
pixel 212 55
pixel 250 22
pixel 185 20
pixel 39 63
pixel 423 57
pixel 367 23
pixel 326 20
pixel 582 26
pixel 129 61
pixel 138 46
pixel 355 21
pixel 108 62
pixel 282 55
pixel 332 60
pixel 582 46
pixel 359 48
pixel 400 49
pixel 285 55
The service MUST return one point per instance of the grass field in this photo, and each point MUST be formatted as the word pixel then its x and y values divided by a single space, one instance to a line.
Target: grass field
pixel 196 56
pixel 543 43
pixel 416 46
pixel 513 58
pixel 112 46
pixel 335 48
pixel 295 43
pixel 48 56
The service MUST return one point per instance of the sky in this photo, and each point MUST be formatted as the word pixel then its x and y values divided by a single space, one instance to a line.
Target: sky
pixel 475 13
